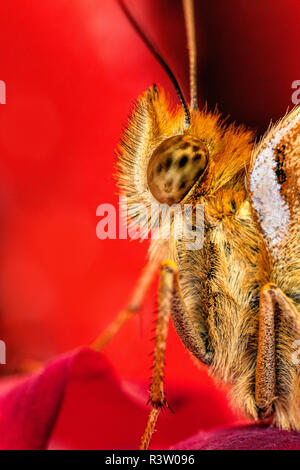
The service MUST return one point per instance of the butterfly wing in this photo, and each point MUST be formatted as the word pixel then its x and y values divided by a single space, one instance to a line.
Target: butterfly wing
pixel 274 185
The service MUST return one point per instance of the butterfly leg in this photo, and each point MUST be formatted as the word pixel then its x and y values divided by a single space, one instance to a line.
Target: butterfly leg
pixel 272 302
pixel 157 396
pixel 134 305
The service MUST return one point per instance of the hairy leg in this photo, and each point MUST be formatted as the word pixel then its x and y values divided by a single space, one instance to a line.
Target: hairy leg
pixel 157 396
pixel 170 299
pixel 272 301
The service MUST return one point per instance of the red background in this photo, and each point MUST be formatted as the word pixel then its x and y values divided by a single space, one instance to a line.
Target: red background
pixel 72 70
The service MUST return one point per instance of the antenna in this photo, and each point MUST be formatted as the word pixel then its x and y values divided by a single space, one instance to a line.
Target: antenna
pixel 159 58
pixel 189 17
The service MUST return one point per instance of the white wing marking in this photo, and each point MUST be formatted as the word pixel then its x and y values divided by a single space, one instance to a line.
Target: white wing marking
pixel 272 210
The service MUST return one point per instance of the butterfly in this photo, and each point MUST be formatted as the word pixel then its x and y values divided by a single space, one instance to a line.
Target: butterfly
pixel 234 296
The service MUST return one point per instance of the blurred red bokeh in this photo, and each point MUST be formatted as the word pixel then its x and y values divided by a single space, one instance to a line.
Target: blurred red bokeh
pixel 72 70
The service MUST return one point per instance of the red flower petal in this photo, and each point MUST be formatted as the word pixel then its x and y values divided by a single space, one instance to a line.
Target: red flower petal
pixel 249 437
pixel 29 409
pixel 90 408
pixel 101 412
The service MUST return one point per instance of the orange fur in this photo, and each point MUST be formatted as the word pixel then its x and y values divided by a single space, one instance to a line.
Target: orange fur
pixel 216 300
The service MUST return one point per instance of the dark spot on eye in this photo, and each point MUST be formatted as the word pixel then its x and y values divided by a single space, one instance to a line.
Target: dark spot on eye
pixel 195 148
pixel 184 146
pixel 159 168
pixel 233 204
pixel 183 161
pixel 168 186
pixel 197 157
pixel 168 162
pixel 182 185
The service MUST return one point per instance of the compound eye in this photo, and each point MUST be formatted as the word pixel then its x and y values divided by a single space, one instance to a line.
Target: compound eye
pixel 175 166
